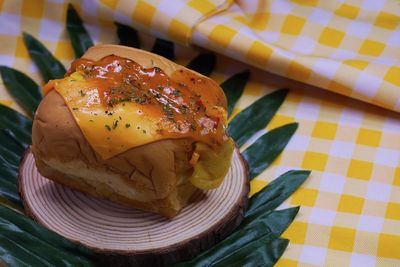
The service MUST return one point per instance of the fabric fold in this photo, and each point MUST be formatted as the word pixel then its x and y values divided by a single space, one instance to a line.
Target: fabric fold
pixel 173 20
pixel 351 49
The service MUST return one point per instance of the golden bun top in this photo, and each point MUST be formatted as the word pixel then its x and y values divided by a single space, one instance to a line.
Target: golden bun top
pixel 123 97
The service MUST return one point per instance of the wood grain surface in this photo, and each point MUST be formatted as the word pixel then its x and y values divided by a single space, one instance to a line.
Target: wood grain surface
pixel 130 236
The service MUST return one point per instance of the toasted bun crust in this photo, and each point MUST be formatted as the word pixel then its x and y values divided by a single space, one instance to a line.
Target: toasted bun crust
pixel 145 177
pixel 151 177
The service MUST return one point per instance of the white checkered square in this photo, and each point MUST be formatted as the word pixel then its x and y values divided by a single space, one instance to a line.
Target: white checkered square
pixel 326 68
pixel 351 117
pixel 313 255
pixel 6 60
pixel 386 61
pixel 367 85
pixel 50 30
pixel 307 110
pixel 373 5
pixel 394 39
pixel 299 143
pixel 342 149
pixel 370 223
pixel 10 24
pixel 388 157
pixel 332 183
pixel 322 216
pixel 32 68
pixel 320 16
pixel 378 191
pixel 89 8
pixel 363 260
pixel 281 7
pixel 359 29
pixel 304 45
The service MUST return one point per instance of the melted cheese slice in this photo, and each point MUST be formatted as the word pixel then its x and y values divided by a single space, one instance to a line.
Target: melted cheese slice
pixel 111 131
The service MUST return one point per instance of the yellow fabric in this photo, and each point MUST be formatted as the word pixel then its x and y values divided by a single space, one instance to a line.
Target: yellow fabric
pixel 352 47
pixel 167 19
pixel 350 214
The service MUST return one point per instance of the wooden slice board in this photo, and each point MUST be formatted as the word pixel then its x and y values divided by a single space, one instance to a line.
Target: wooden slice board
pixel 132 236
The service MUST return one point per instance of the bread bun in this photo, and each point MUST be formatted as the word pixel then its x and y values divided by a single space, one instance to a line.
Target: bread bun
pixel 153 176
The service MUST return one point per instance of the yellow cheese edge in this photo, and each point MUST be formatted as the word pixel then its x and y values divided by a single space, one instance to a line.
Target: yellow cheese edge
pixel 111 133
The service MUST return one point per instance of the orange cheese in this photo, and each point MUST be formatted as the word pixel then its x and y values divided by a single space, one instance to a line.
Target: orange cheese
pixel 119 105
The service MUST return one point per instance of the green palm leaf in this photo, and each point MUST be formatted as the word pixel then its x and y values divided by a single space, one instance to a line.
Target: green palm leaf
pixel 229 245
pixel 25 243
pixel 267 148
pixel 10 151
pixel 10 154
pixel 13 206
pixel 19 125
pixel 275 220
pixel 22 88
pixel 9 140
pixel 164 48
pixel 255 117
pixel 8 158
pixel 127 35
pixel 276 192
pixel 260 212
pixel 265 251
pixel 269 225
pixel 234 87
pixel 8 183
pixel 80 38
pixel 8 174
pixel 203 63
pixel 48 65
pixel 8 190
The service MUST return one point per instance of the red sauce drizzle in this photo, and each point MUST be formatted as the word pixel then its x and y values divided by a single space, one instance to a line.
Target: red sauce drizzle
pixel 184 101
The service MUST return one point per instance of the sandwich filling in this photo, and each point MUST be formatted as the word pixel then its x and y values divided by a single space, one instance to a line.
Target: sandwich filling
pixel 119 105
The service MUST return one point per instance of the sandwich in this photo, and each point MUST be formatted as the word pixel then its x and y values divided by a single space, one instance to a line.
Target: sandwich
pixel 133 127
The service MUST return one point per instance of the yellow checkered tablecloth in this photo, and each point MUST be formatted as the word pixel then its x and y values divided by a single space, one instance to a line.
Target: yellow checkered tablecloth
pixel 349 47
pixel 350 213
